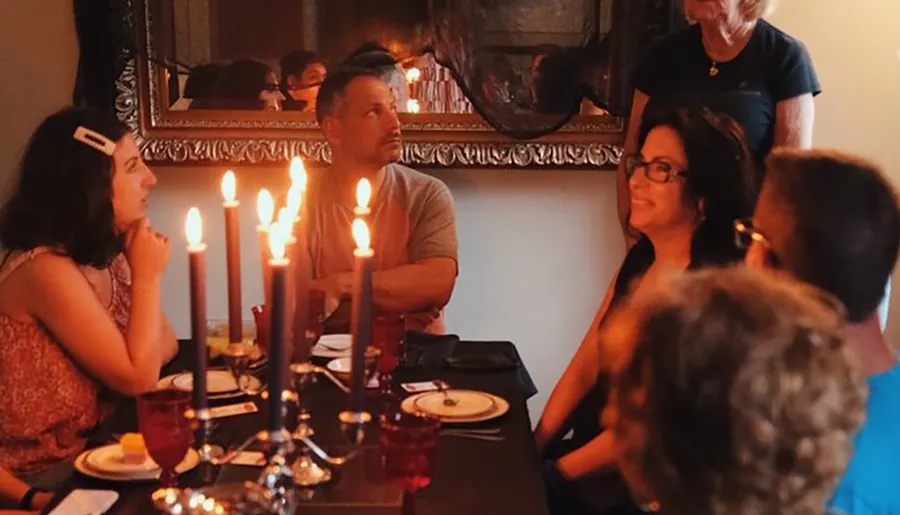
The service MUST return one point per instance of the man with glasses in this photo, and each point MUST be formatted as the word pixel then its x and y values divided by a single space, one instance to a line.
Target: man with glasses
pixel 833 220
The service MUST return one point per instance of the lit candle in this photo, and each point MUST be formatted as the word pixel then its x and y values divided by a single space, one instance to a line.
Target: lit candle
pixel 298 173
pixel 232 256
pixel 361 324
pixel 301 266
pixel 193 229
pixel 265 209
pixel 286 222
pixel 278 359
pixel 363 196
pixel 412 77
pixel 294 202
pixel 412 105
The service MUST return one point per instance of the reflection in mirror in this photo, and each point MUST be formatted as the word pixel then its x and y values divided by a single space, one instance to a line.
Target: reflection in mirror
pixel 508 57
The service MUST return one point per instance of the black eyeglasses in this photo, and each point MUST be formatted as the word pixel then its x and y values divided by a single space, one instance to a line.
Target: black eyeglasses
pixel 655 170
pixel 745 234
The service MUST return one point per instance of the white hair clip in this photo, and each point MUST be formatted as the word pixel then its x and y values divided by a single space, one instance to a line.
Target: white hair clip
pixel 95 139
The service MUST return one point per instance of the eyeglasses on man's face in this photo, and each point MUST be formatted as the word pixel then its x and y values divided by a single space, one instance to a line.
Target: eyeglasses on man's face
pixel 745 235
pixel 655 170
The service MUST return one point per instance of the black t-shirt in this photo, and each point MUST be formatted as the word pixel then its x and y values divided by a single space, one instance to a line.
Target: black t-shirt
pixel 707 251
pixel 771 68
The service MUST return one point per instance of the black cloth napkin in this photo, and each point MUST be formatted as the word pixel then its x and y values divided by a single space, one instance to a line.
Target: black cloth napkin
pixel 431 353
pixel 428 350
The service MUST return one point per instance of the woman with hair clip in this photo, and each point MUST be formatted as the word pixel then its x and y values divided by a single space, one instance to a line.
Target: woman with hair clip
pixel 80 310
pixel 692 177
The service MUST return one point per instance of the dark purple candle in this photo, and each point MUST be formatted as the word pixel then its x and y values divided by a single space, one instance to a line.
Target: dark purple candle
pixel 232 257
pixel 197 271
pixel 361 323
pixel 278 357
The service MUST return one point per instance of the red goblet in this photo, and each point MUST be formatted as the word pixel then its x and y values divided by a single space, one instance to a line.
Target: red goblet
pixel 387 335
pixel 408 451
pixel 166 430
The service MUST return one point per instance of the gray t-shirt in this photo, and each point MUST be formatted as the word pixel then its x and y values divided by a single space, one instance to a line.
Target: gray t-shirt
pixel 412 219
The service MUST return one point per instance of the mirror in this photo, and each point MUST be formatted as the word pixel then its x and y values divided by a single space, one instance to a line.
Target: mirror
pixel 478 83
pixel 273 54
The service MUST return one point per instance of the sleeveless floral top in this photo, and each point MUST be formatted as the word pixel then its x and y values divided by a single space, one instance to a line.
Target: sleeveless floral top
pixel 51 401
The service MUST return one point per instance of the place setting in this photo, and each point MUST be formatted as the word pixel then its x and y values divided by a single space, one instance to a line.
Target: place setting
pixel 456 409
pixel 160 451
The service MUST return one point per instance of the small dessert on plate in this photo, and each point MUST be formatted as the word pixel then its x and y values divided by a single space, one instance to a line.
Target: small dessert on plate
pixel 134 452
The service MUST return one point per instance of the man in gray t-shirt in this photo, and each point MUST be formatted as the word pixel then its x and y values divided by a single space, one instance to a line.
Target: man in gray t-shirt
pixel 412 221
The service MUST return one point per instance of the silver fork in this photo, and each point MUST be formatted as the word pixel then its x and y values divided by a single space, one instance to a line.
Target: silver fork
pixel 442 388
pixel 474 436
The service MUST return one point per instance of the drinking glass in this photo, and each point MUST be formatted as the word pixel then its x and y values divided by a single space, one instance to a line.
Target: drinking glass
pixel 408 449
pixel 166 430
pixel 217 335
pixel 388 330
pixel 238 358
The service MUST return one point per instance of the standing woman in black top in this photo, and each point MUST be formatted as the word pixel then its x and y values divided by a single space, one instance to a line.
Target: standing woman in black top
pixel 691 179
pixel 732 61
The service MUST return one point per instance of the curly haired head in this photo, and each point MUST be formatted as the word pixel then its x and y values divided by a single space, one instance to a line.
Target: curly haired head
pixel 733 393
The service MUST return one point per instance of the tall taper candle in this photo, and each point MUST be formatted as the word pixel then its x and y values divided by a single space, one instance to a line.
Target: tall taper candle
pixel 278 359
pixel 302 265
pixel 361 323
pixel 265 209
pixel 197 270
pixel 300 260
pixel 232 257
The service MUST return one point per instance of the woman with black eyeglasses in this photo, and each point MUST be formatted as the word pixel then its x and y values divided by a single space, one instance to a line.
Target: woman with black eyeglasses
pixel 691 179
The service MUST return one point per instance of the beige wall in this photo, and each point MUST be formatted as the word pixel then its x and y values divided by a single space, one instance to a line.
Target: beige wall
pixel 537 247
pixel 856 50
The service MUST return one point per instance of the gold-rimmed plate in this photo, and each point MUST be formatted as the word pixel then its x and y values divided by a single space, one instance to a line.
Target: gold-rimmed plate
pixel 106 463
pixel 500 408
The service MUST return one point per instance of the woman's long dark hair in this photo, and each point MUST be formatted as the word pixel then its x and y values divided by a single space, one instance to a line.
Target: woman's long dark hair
pixel 243 80
pixel 721 172
pixel 63 196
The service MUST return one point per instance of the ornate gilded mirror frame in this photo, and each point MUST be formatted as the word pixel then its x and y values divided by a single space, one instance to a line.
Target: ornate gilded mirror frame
pixel 431 140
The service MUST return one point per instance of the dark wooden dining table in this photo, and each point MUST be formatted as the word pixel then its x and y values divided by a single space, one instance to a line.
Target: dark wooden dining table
pixel 471 477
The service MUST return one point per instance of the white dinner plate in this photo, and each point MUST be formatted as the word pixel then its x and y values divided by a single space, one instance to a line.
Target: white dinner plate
pixel 217 381
pixel 339 366
pixel 467 404
pixel 333 346
pixel 501 407
pixel 167 382
pixel 336 342
pixel 105 463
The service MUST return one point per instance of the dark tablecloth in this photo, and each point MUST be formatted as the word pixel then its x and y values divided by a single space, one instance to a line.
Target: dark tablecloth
pixel 471 477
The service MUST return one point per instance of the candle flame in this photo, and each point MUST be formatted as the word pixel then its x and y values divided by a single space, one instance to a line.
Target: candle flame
pixel 363 192
pixel 285 219
pixel 193 227
pixel 294 199
pixel 298 173
pixel 361 234
pixel 229 186
pixel 413 74
pixel 265 207
pixel 412 105
pixel 277 237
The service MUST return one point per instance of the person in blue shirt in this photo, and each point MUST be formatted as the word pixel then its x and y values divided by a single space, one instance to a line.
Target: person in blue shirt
pixel 833 220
